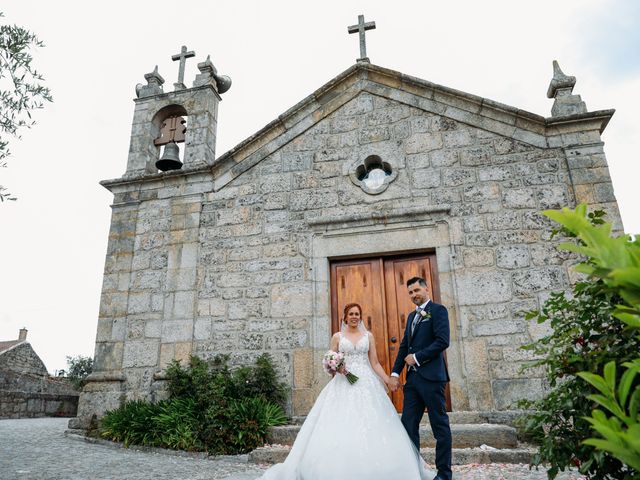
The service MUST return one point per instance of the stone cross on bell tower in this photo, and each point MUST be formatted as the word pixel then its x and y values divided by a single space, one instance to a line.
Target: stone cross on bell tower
pixel 360 28
pixel 182 56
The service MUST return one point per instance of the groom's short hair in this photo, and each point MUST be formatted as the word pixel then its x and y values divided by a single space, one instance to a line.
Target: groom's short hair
pixel 420 280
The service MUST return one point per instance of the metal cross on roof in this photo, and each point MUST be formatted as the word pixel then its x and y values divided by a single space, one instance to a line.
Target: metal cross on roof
pixel 182 56
pixel 360 28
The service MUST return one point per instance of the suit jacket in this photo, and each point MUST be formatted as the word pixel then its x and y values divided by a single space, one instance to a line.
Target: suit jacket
pixel 429 341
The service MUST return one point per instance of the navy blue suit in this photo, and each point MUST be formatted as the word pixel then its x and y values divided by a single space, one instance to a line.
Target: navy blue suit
pixel 426 383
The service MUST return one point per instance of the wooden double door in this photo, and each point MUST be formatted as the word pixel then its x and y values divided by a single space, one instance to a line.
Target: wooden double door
pixel 379 286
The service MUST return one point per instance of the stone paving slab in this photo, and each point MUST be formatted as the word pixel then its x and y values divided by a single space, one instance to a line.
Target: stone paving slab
pixel 37 449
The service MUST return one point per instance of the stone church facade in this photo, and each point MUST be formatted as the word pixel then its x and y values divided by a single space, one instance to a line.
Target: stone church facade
pixel 373 177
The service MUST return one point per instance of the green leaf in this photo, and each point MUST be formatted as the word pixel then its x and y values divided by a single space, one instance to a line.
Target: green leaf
pixel 625 385
pixel 634 403
pixel 595 380
pixel 631 319
pixel 608 403
pixel 610 375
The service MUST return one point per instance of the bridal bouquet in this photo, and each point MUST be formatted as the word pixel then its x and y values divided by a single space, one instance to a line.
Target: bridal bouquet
pixel 333 362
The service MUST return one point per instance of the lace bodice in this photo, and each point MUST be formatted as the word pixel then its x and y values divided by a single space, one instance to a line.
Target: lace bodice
pixel 356 355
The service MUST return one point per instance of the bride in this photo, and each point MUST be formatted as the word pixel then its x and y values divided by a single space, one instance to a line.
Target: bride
pixel 353 431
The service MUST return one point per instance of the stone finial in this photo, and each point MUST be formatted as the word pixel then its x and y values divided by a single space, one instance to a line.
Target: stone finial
pixel 22 335
pixel 561 88
pixel 153 86
pixel 209 76
pixel 207 73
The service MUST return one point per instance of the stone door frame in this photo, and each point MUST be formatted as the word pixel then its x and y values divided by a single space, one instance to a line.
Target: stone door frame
pixel 402 233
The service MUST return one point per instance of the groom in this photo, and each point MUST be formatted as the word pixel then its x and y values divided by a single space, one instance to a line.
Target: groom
pixel 422 350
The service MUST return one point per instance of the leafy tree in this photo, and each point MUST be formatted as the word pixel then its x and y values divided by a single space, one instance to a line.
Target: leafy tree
pixel 21 90
pixel 79 369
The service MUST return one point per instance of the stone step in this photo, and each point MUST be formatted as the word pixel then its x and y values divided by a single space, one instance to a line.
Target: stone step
pixel 460 456
pixel 505 417
pixel 464 435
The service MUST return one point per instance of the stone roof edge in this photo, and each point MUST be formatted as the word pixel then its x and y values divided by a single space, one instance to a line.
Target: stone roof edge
pixel 523 119
pixel 494 116
pixel 284 120
pixel 404 79
pixel 20 342
pixel 470 97
pixel 154 177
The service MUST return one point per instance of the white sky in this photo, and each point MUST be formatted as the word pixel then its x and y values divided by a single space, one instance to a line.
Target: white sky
pixel 53 239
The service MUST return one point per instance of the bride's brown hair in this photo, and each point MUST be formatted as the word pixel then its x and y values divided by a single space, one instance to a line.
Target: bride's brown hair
pixel 348 307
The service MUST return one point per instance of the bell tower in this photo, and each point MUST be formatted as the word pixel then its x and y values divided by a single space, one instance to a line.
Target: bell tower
pixel 177 129
pixel 149 300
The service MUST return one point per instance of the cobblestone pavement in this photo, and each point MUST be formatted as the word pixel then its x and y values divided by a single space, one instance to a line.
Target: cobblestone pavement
pixel 38 449
pixel 33 449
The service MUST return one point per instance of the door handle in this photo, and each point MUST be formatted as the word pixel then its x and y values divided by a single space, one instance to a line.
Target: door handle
pixel 394 339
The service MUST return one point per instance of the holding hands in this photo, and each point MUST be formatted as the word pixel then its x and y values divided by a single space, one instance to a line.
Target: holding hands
pixel 393 383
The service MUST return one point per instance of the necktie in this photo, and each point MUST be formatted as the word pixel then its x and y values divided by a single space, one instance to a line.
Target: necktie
pixel 414 322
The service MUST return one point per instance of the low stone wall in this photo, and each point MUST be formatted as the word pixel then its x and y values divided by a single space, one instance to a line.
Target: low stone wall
pixel 28 396
pixel 31 405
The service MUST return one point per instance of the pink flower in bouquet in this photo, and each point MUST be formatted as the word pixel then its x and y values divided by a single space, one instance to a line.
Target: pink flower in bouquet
pixel 333 362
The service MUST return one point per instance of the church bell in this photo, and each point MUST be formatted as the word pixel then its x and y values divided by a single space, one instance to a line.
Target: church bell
pixel 170 159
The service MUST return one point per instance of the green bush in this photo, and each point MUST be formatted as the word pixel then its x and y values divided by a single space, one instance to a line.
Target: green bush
pixel 131 424
pixel 168 424
pixel 586 336
pixel 210 408
pixel 175 424
pixel 239 426
pixel 260 381
pixel 615 261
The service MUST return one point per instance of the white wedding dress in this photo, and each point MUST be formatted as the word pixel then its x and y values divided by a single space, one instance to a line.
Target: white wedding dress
pixel 353 432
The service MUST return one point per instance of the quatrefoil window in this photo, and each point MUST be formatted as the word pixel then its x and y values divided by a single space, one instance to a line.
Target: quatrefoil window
pixel 373 175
